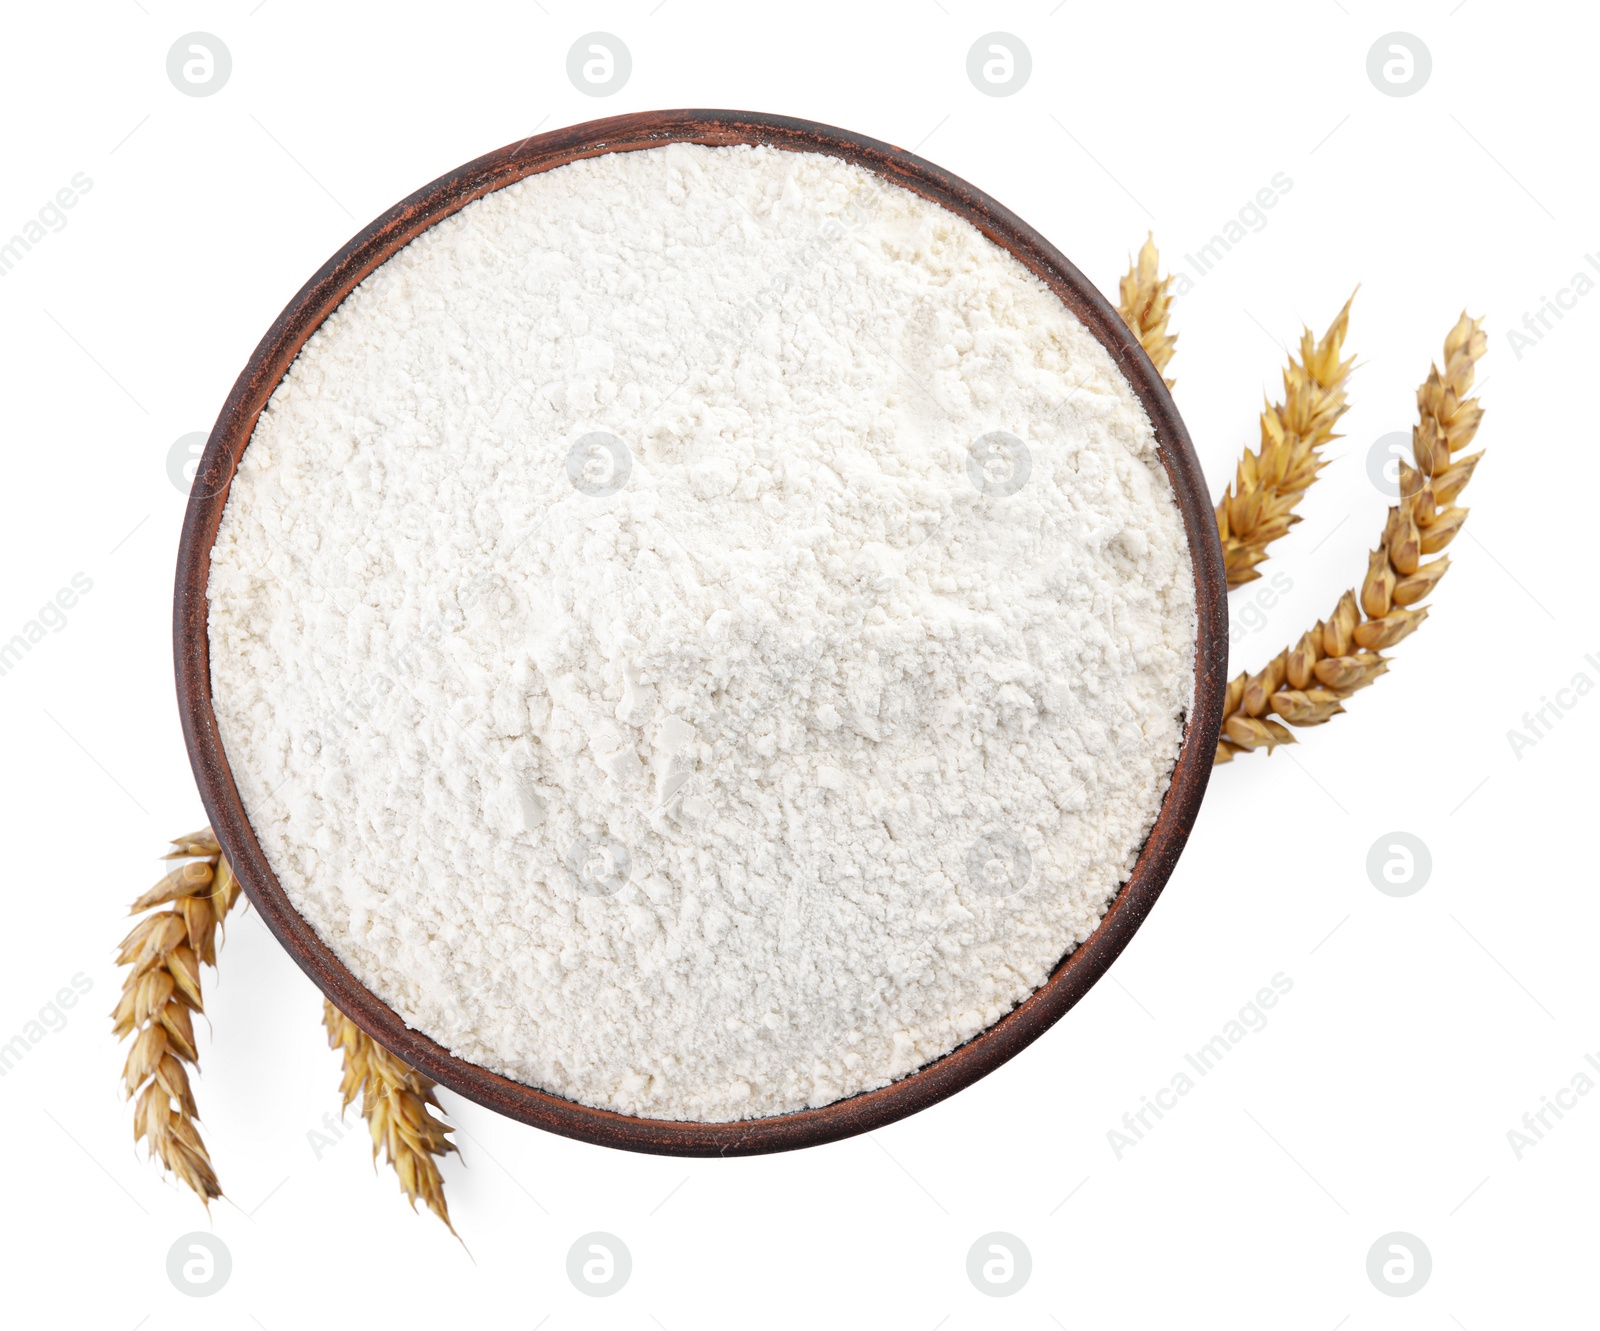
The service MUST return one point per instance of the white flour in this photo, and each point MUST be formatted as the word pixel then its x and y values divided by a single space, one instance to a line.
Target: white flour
pixel 755 760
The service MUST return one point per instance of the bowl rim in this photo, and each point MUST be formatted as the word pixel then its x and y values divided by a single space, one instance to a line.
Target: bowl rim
pixel 1073 975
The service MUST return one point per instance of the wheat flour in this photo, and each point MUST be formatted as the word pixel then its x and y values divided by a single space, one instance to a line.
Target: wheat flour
pixel 702 631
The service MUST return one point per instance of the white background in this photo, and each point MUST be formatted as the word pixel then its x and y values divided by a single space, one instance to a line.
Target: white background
pixel 1418 1030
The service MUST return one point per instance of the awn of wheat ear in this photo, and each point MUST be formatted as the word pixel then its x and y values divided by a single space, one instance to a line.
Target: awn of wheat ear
pixel 164 953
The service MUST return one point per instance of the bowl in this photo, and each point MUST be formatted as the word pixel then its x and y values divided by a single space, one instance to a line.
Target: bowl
pixel 1072 977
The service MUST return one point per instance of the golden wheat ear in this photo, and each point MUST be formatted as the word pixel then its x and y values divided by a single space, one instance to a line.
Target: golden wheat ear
pixel 1259 506
pixel 164 953
pixel 1307 684
pixel 1270 481
pixel 1145 304
pixel 395 1102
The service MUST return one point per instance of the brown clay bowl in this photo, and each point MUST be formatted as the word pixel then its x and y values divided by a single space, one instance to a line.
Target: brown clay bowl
pixel 271 360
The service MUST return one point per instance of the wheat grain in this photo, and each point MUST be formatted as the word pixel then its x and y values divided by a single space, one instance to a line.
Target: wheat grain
pixel 395 1100
pixel 1308 684
pixel 164 952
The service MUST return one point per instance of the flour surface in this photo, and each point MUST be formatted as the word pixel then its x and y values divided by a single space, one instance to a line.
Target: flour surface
pixel 702 631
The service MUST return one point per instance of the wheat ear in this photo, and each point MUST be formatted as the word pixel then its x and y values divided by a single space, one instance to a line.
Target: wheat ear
pixel 1269 483
pixel 1259 506
pixel 1307 684
pixel 164 953
pixel 395 1100
pixel 1145 305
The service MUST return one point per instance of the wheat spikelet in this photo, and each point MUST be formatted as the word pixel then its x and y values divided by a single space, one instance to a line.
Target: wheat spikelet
pixel 1259 506
pixel 395 1100
pixel 1145 306
pixel 1307 684
pixel 164 953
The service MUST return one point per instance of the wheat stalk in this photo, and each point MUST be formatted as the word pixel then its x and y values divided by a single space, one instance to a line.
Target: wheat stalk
pixel 1269 483
pixel 164 952
pixel 1145 306
pixel 395 1100
pixel 1307 684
